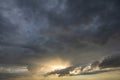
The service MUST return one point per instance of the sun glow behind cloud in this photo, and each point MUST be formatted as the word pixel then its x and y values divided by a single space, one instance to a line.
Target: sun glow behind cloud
pixel 58 67
pixel 52 65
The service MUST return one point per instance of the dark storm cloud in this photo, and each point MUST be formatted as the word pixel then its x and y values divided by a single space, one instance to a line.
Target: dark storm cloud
pixel 37 29
pixel 77 17
pixel 110 61
pixel 82 13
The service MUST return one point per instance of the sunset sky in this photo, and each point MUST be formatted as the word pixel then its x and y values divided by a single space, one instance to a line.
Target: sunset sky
pixel 59 39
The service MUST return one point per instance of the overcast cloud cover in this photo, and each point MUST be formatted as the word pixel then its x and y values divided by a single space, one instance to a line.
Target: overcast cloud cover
pixel 80 31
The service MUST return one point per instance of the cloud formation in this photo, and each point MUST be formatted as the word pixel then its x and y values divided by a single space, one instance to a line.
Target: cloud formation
pixel 108 64
pixel 37 29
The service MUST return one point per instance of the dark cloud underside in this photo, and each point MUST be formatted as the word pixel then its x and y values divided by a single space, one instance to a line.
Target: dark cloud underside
pixel 71 29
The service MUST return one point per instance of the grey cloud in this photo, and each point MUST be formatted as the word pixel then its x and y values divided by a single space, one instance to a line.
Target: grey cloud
pixel 37 29
pixel 110 61
pixel 8 76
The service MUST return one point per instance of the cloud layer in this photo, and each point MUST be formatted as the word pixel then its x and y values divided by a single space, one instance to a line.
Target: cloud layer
pixel 79 31
pixel 108 64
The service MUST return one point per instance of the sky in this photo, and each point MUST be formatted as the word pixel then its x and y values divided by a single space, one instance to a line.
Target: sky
pixel 52 34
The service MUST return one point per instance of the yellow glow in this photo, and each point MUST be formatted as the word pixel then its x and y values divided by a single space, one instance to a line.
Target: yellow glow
pixel 56 67
pixel 53 64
